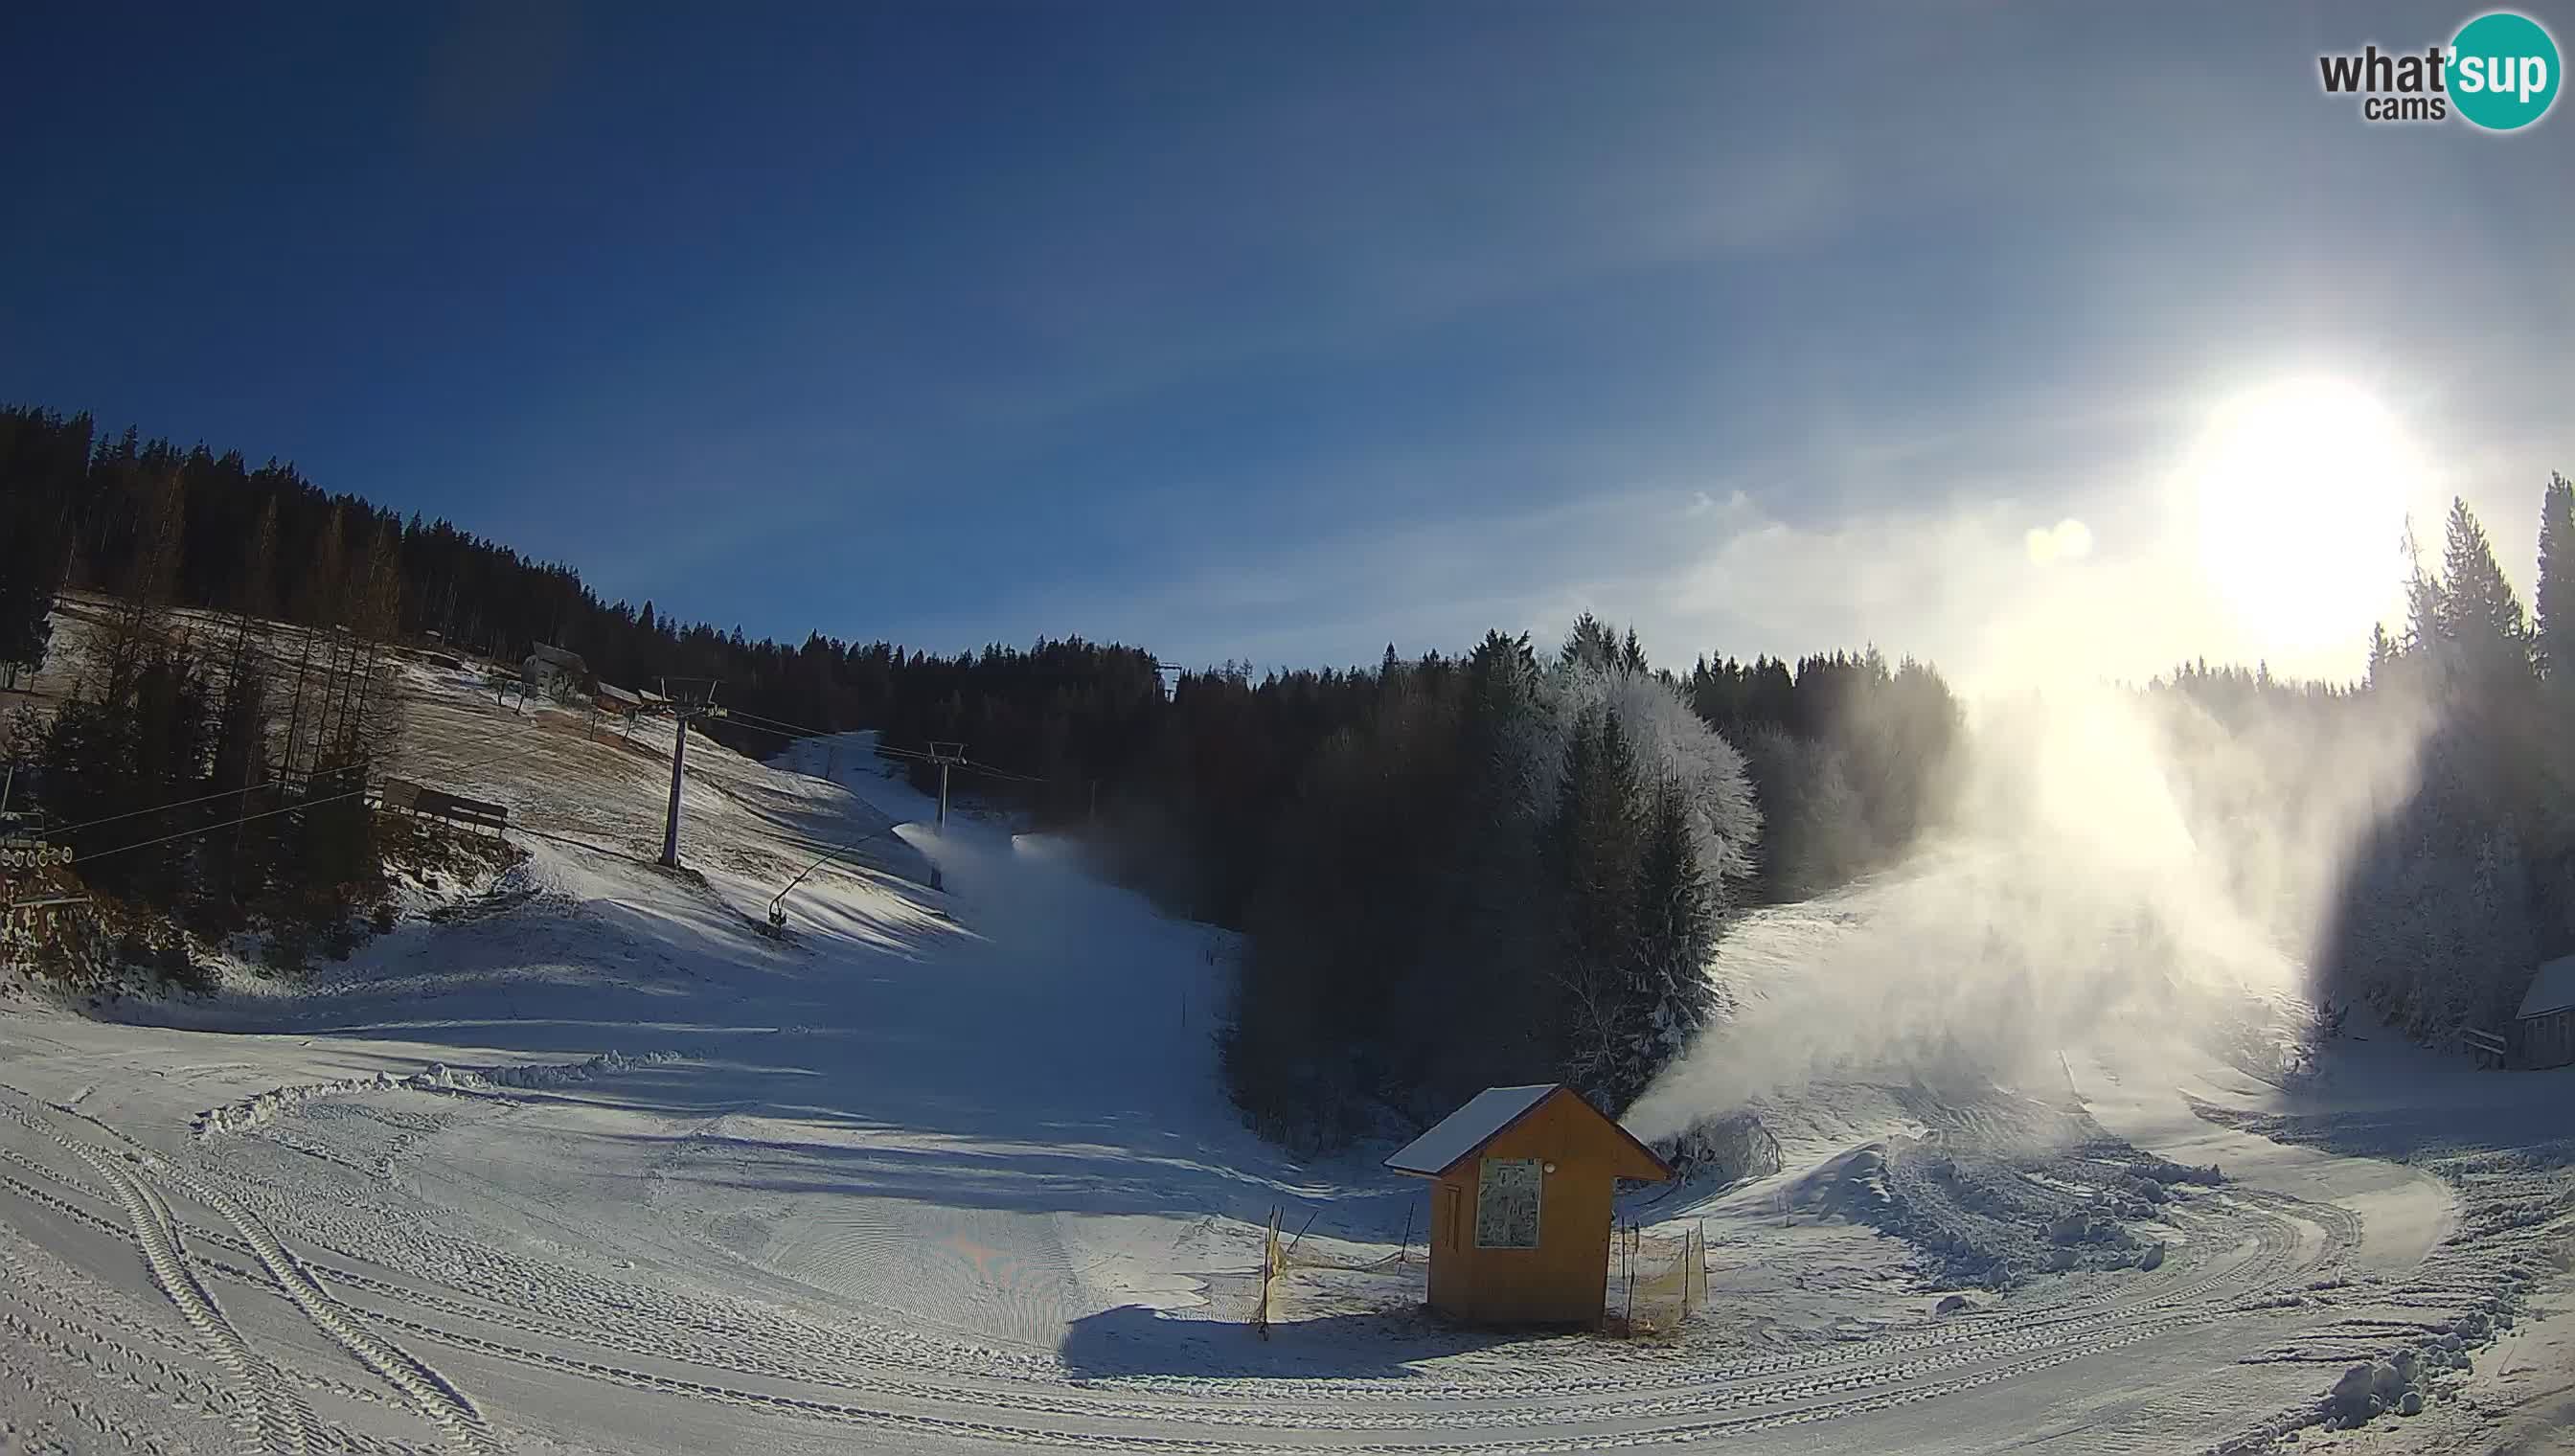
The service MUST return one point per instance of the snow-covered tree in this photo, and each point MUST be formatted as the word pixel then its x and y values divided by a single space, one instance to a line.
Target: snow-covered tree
pixel 1653 834
pixel 1667 996
pixel 1816 831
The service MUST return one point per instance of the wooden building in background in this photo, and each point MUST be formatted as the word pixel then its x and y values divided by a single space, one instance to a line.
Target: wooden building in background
pixel 1521 1180
pixel 2545 1029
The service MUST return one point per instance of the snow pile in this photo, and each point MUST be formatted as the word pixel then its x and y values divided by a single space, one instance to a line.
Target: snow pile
pixel 2400 1384
pixel 276 1102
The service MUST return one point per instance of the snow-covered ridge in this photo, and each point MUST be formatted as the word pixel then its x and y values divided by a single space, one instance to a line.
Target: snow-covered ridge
pixel 267 1106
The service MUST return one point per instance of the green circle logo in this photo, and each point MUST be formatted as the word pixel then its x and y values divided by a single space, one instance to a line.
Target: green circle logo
pixel 2502 72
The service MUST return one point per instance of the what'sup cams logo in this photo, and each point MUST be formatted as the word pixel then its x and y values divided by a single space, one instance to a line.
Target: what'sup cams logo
pixel 2499 73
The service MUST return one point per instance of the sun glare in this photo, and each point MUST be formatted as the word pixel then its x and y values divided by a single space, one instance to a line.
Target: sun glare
pixel 2302 490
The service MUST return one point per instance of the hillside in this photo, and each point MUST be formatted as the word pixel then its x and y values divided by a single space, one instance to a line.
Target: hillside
pixel 589 1162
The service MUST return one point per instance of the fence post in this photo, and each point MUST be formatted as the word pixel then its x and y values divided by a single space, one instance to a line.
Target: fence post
pixel 1685 1274
pixel 1268 1263
pixel 1630 1245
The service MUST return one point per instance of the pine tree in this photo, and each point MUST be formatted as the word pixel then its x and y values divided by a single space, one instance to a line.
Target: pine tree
pixel 236 858
pixel 2382 653
pixel 26 626
pixel 236 862
pixel 139 624
pixel 2480 614
pixel 1492 941
pixel 1590 644
pixel 319 584
pixel 1594 849
pixel 2553 604
pixel 1665 997
pixel 2426 608
pixel 255 585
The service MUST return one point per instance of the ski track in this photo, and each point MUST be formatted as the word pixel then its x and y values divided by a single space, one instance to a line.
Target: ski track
pixel 279 1420
pixel 264 1107
pixel 336 1206
pixel 906 1386
pixel 1716 1398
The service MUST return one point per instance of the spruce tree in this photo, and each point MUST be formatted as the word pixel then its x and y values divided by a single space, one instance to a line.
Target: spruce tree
pixel 2425 607
pixel 1593 853
pixel 1589 644
pixel 1491 934
pixel 1664 997
pixel 2382 652
pixel 2553 603
pixel 26 626
pixel 2480 614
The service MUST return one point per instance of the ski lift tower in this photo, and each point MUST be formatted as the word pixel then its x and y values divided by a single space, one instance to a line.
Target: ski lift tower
pixel 690 697
pixel 947 756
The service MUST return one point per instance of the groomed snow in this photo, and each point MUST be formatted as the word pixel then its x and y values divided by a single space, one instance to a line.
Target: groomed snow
pixel 594 1164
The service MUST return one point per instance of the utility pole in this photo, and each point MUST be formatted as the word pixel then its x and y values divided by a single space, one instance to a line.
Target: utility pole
pixel 684 704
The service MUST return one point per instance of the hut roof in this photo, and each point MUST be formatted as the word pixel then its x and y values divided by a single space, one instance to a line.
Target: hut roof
pixel 1460 1135
pixel 2552 988
pixel 560 656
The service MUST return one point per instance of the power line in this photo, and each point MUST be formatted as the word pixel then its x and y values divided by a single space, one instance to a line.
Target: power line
pixel 780 723
pixel 52 829
pixel 357 792
pixel 889 749
pixel 225 825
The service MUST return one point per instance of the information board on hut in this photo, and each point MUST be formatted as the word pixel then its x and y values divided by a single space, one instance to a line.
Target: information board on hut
pixel 1507 1197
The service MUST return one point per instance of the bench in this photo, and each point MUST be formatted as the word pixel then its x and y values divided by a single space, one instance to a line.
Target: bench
pixel 413 799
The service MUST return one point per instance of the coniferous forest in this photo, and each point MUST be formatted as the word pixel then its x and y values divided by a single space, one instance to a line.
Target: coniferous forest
pixel 1512 864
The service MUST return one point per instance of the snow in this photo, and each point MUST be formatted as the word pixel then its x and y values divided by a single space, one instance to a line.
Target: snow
pixel 1466 1129
pixel 594 1163
pixel 2403 1213
pixel 2552 988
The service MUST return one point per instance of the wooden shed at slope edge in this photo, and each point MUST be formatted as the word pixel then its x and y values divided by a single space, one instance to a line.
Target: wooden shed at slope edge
pixel 1522 1179
pixel 2545 1028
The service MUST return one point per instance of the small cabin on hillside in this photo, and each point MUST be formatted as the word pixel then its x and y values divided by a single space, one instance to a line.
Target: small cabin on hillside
pixel 1522 1179
pixel 554 671
pixel 2545 1029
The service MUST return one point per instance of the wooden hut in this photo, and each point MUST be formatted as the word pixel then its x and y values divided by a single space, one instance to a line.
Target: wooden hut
pixel 1522 1179
pixel 554 671
pixel 2545 1029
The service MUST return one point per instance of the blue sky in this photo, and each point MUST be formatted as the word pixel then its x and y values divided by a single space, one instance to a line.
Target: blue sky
pixel 1277 333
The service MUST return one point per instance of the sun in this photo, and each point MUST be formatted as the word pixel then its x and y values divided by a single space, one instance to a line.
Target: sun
pixel 2302 488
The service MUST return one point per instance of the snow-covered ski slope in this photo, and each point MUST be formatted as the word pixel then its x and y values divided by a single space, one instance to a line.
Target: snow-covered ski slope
pixel 592 1164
